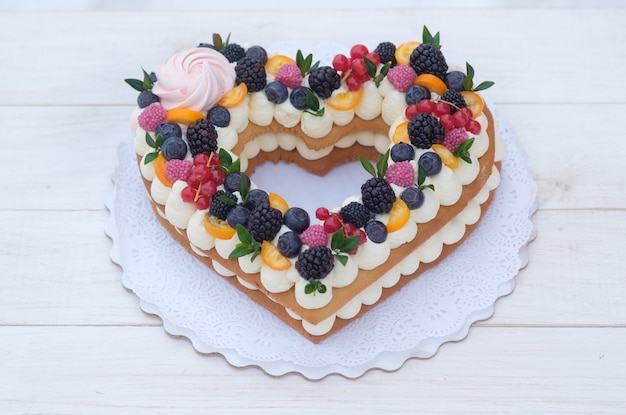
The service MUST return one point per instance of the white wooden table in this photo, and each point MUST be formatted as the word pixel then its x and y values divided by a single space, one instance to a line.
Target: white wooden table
pixel 74 341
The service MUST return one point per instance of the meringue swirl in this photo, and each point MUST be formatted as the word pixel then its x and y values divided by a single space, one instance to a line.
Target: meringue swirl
pixel 194 79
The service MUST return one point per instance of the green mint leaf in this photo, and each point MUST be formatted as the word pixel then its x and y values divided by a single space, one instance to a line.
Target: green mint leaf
pixel 307 63
pixel 428 186
pixel 370 67
pixel 421 175
pixel 314 66
pixel 159 140
pixel 240 251
pixel 310 288
pixel 243 188
pixel 312 102
pixel 336 241
pixel 321 288
pixel 151 157
pixel 147 82
pixel 227 200
pixel 225 158
pixel 484 85
pixel 299 58
pixel 136 84
pixel 382 163
pixel 341 258
pixel 469 70
pixel 217 41
pixel 367 165
pixel 350 243
pixel 150 141
pixel 243 235
pixel 235 166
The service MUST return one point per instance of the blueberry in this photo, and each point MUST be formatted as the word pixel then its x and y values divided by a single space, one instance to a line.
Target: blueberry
pixel 238 216
pixel 219 116
pixel 454 80
pixel 430 162
pixel 257 197
pixel 258 53
pixel 206 45
pixel 376 231
pixel 298 98
pixel 416 93
pixel 153 77
pixel 289 244
pixel 174 148
pixel 276 92
pixel 169 129
pixel 402 152
pixel 231 182
pixel 413 197
pixel 146 98
pixel 297 219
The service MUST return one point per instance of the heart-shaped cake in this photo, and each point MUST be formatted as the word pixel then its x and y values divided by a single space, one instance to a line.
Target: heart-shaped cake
pixel 211 114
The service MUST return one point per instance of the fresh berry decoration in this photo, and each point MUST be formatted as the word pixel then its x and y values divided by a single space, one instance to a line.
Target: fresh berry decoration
pixel 454 80
pixel 178 170
pixel 222 203
pixel 169 129
pixel 376 231
pixel 289 244
pixel 264 222
pixel 416 93
pixel 202 137
pixel 233 52
pixel 276 92
pixel 313 265
pixel 425 130
pixel 251 72
pixel 289 75
pixel 386 51
pixel 454 138
pixel 377 195
pixel 151 117
pixel 324 80
pixel 174 148
pixel 297 219
pixel 402 77
pixel 427 57
pixel 454 99
pixel 431 163
pixel 333 223
pixel 238 216
pixel 314 235
pixel 258 53
pixel 355 213
pixel 400 174
pixel 219 116
pixel 413 197
pixel 402 152
pixel 145 97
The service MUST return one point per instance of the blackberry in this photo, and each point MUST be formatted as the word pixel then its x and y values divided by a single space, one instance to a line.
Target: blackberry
pixel 252 73
pixel 202 138
pixel 233 52
pixel 377 194
pixel 356 214
pixel 455 100
pixel 264 222
pixel 427 58
pixel 315 263
pixel 387 53
pixel 425 130
pixel 324 80
pixel 219 208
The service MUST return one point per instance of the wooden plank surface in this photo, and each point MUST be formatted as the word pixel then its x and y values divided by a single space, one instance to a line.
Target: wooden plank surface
pixel 74 341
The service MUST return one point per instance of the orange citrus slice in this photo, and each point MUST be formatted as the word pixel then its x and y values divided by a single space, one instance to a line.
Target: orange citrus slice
pixel 403 52
pixel 184 116
pixel 275 62
pixel 401 134
pixel 159 170
pixel 277 202
pixel 344 101
pixel 431 82
pixel 218 228
pixel 398 216
pixel 272 257
pixel 474 102
pixel 446 156
pixel 234 97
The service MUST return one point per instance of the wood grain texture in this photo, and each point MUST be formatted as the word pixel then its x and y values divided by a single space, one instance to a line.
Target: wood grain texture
pixel 74 341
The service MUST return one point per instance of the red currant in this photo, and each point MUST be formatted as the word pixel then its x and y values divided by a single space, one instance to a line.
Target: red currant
pixel 188 194
pixel 341 63
pixel 358 51
pixel 200 159
pixel 426 106
pixel 358 66
pixel 362 234
pixel 473 127
pixel 214 160
pixel 217 176
pixel 447 121
pixel 411 111
pixel 460 119
pixel 348 228
pixel 441 108
pixel 468 112
pixel 208 189
pixel 353 83
pixel 322 213
pixel 333 223
pixel 203 202
pixel 374 57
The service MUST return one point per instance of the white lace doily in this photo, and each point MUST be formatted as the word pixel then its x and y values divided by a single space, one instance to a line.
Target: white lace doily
pixel 438 307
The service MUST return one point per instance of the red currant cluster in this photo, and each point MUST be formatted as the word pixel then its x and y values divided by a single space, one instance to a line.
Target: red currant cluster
pixel 203 181
pixel 462 118
pixel 333 221
pixel 352 69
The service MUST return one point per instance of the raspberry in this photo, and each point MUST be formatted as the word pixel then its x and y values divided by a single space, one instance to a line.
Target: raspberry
pixel 314 235
pixel 454 138
pixel 401 77
pixel 151 117
pixel 401 174
pixel 289 75
pixel 178 169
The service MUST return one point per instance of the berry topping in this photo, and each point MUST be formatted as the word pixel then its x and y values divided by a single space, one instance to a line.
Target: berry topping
pixel 454 138
pixel 322 213
pixel 219 116
pixel 386 51
pixel 355 213
pixel 324 80
pixel 454 80
pixel 358 51
pixel 257 197
pixel 402 152
pixel 289 244
pixel 238 216
pixel 289 74
pixel 202 137
pixel 401 174
pixel 413 197
pixel 416 93
pixel 333 223
pixel 146 98
pixel 425 130
pixel 174 148
pixel 376 231
pixel 431 163
pixel 315 263
pixel 427 57
pixel 276 92
pixel 377 195
pixel 264 222
pixel 178 170
pixel 426 105
pixel 297 219
pixel 401 77
pixel 314 235
pixel 341 63
pixel 151 117
pixel 169 129
pixel 455 100
pixel 473 127
pixel 222 203
pixel 298 98
pixel 233 52
pixel 233 181
pixel 258 53
pixel 252 73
